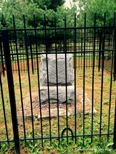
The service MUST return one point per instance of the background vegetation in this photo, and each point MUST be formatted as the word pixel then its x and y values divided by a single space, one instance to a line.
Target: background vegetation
pixel 28 7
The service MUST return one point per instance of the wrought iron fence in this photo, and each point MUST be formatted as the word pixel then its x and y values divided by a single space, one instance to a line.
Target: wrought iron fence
pixel 91 47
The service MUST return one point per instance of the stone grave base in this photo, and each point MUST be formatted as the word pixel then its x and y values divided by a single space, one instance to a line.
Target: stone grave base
pixel 53 94
pixel 53 107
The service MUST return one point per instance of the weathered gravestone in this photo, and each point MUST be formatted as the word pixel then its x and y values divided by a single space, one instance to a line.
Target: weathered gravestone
pixel 60 69
pixel 51 58
pixel 61 75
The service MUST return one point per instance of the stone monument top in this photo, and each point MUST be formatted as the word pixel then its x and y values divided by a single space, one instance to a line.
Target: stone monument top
pixel 60 69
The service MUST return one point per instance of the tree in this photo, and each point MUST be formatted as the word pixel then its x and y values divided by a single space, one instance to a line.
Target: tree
pixel 100 6
pixel 50 4
pixel 28 7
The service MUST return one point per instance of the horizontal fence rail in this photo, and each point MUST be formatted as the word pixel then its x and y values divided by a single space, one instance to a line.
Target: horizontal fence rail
pixel 60 48
pixel 93 51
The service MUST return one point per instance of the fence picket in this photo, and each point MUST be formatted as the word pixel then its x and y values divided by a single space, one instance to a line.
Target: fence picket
pixel 10 85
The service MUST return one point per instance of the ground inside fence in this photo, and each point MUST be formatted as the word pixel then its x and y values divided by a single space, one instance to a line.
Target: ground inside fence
pixel 62 120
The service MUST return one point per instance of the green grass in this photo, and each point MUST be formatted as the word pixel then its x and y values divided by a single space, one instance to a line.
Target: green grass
pixel 89 147
pixel 63 148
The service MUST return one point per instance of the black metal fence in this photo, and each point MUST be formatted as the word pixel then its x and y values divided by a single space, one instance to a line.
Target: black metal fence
pixel 92 47
pixel 60 48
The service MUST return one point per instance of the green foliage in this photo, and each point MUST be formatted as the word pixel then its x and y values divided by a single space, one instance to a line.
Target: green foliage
pixel 74 0
pixel 5 149
pixel 28 7
pixel 106 102
pixel 68 101
pixel 37 123
pixel 63 147
pixel 49 4
pixel 100 6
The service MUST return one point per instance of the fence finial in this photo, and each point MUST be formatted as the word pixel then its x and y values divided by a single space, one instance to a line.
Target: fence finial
pixel 3 22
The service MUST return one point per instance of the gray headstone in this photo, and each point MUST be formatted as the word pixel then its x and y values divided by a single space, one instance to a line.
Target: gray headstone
pixel 53 94
pixel 60 69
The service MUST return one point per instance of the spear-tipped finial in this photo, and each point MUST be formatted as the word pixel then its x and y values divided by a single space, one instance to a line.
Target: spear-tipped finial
pixel 3 22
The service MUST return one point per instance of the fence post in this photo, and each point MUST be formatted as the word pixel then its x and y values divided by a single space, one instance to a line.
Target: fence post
pixel 99 50
pixel 115 127
pixel 3 69
pixel 115 48
pixel 10 84
pixel 31 53
pixel 115 61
